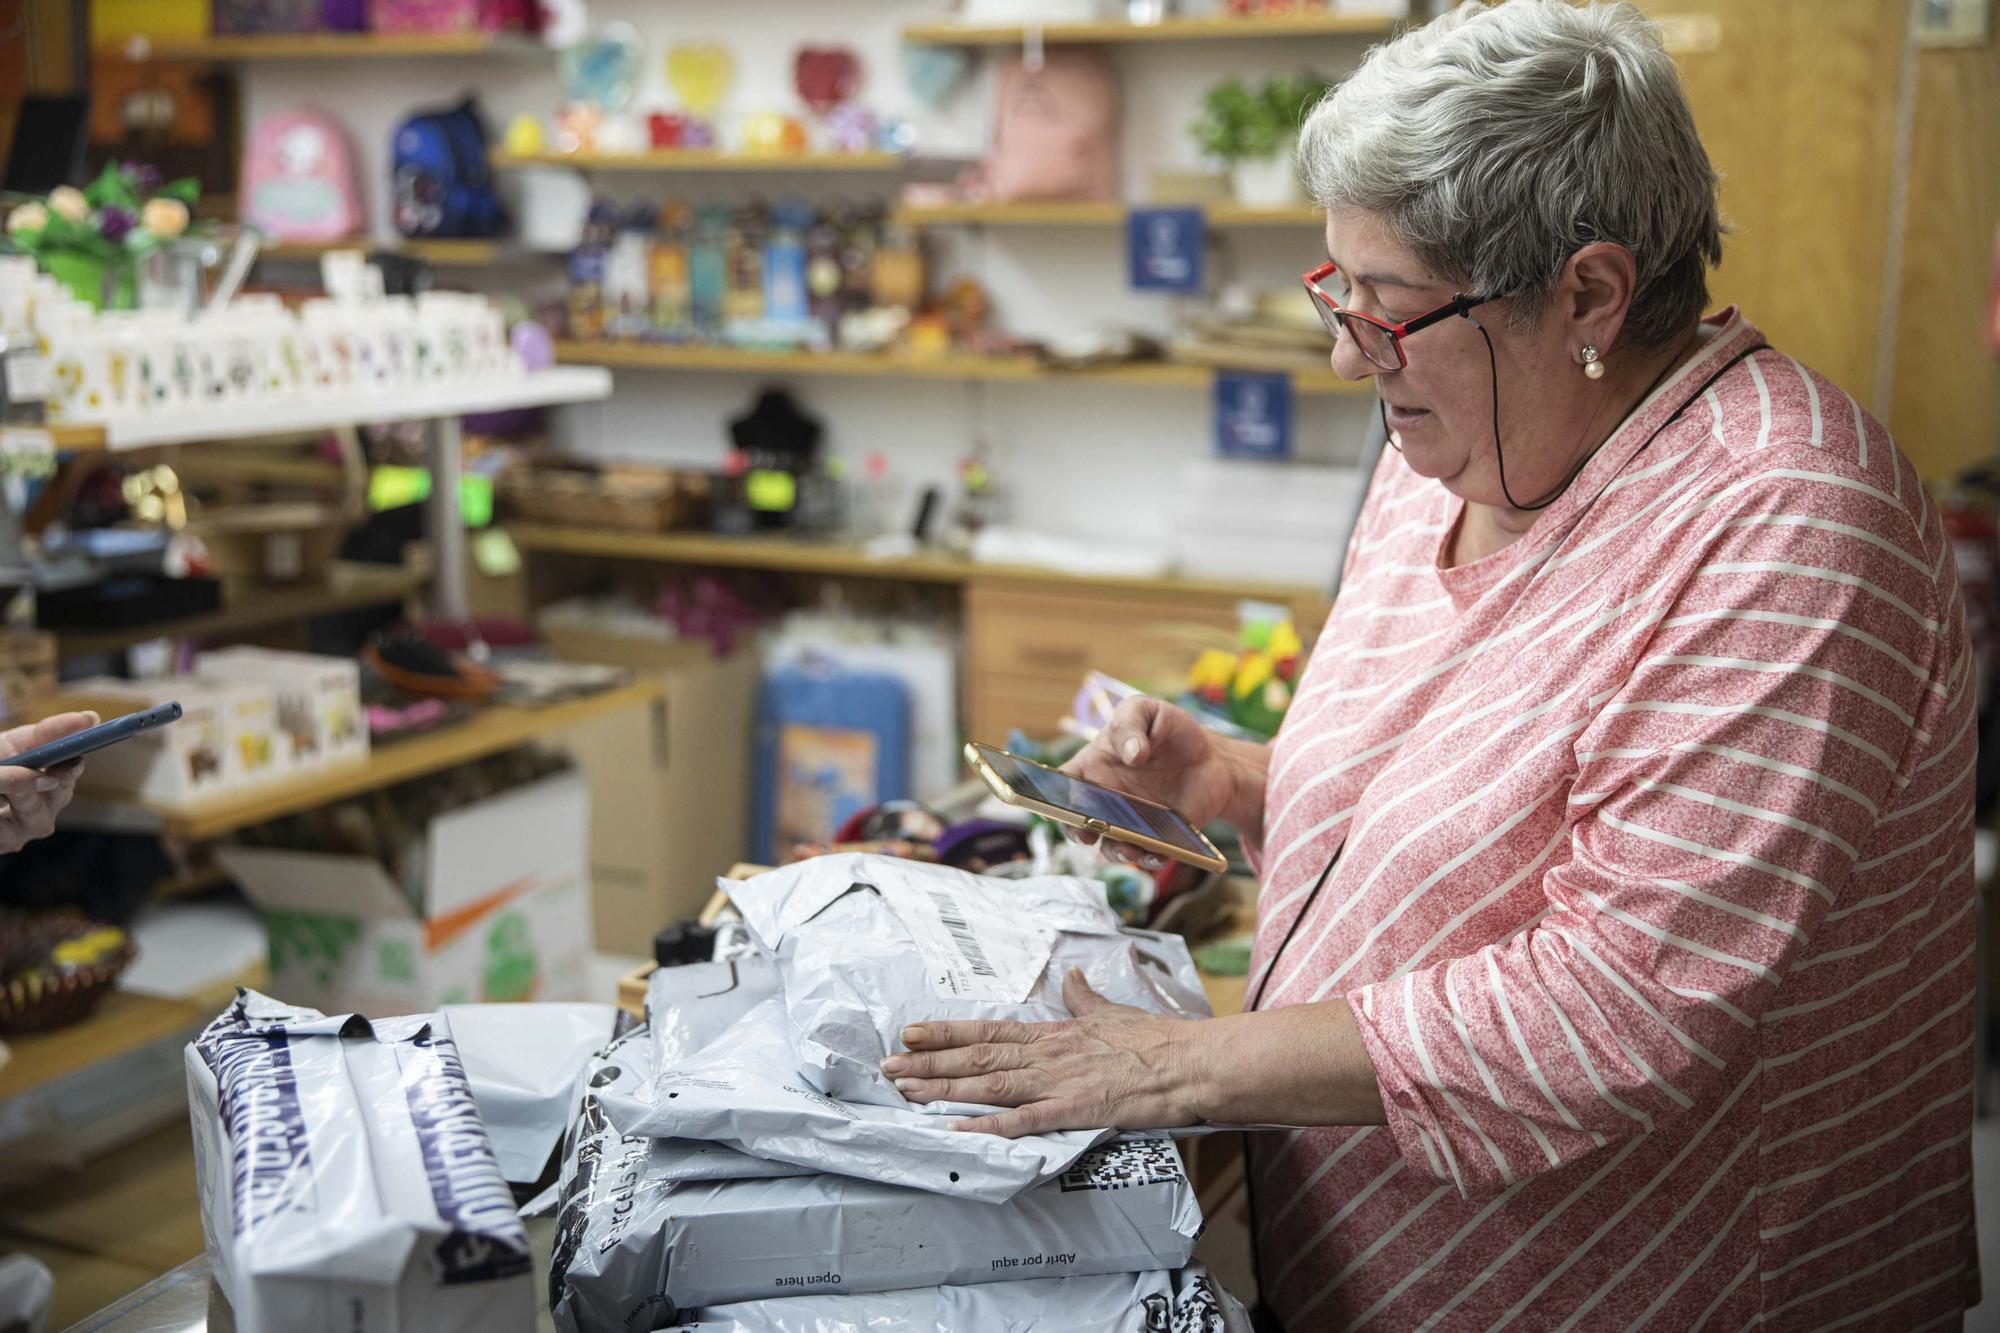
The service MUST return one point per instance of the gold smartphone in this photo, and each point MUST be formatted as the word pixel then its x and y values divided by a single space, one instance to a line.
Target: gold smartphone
pixel 1105 811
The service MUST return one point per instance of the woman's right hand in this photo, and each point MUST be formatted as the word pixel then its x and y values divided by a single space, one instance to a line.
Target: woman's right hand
pixel 1153 749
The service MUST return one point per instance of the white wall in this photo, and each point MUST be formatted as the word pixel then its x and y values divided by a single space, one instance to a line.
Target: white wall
pixel 1077 459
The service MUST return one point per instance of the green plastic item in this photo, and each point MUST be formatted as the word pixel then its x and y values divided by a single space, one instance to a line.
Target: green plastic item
pixel 1225 958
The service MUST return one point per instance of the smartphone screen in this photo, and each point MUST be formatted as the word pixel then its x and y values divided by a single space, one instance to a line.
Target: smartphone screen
pixel 1091 801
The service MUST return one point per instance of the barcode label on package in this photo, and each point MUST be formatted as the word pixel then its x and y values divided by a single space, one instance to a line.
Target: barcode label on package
pixel 1121 1166
pixel 971 951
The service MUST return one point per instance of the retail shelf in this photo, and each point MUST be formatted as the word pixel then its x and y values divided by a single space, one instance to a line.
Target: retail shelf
pixel 326 46
pixel 1096 215
pixel 781 555
pixel 444 253
pixel 353 587
pixel 1153 374
pixel 706 159
pixel 546 388
pixel 492 730
pixel 1212 28
pixel 60 437
pixel 123 1022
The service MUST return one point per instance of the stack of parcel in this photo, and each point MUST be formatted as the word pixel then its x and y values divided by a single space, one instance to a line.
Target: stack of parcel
pixel 739 1162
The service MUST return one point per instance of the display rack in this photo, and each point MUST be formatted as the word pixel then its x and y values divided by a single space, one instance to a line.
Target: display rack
pixel 1202 29
pixel 443 253
pixel 705 159
pixel 493 730
pixel 1003 369
pixel 230 48
pixel 791 556
pixel 441 405
pixel 1225 214
pixel 353 587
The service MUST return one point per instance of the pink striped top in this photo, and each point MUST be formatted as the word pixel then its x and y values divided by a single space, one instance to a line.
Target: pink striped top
pixel 1654 892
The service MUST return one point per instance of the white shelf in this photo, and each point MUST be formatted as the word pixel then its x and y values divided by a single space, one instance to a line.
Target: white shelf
pixel 547 388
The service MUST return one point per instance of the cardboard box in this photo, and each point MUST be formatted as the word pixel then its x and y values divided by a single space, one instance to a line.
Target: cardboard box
pixel 318 699
pixel 177 765
pixel 671 796
pixel 504 912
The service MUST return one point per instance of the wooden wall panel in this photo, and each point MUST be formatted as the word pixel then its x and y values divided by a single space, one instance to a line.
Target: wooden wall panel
pixel 1946 406
pixel 1796 104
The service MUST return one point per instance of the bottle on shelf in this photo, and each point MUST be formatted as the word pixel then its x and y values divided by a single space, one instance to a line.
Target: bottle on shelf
pixel 823 276
pixel 787 316
pixel 708 272
pixel 667 276
pixel 627 298
pixel 743 302
pixel 586 274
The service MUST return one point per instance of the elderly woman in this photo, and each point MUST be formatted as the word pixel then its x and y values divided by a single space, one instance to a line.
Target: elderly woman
pixel 1615 938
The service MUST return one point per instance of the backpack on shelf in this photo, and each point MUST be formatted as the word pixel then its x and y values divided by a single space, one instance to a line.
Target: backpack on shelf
pixel 442 184
pixel 299 178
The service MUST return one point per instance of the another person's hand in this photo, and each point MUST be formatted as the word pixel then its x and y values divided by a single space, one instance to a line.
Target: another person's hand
pixel 33 800
pixel 1110 1065
pixel 1153 749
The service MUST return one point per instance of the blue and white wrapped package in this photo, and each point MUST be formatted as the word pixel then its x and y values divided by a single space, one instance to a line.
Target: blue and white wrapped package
pixel 866 945
pixel 346 1179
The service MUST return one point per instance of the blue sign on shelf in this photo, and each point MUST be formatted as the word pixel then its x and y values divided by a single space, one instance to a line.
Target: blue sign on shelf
pixel 1165 246
pixel 1253 415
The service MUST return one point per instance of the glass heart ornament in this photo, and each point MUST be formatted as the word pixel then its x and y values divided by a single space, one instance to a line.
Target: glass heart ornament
pixel 700 75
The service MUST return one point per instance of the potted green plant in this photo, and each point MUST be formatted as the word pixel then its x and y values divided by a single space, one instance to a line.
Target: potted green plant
pixel 92 240
pixel 1254 131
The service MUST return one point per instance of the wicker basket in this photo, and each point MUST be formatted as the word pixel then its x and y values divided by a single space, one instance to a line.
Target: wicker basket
pixel 27 673
pixel 627 497
pixel 38 993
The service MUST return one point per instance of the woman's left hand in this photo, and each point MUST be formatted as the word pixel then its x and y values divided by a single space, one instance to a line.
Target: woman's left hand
pixel 1109 1066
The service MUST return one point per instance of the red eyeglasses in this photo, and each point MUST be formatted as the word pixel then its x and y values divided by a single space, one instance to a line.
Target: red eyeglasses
pixel 1378 340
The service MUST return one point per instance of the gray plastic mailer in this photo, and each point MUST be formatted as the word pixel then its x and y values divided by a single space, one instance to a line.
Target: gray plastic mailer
pixel 1189 1301
pixel 634 1245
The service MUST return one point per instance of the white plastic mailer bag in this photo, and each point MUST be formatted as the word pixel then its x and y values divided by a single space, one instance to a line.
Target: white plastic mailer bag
pixel 1190 1301
pixel 346 1178
pixel 744 1091
pixel 866 945
pixel 522 1060
pixel 634 1245
pixel 688 1006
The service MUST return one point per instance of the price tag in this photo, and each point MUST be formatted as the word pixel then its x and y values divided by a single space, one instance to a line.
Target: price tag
pixel 1165 247
pixel 1253 415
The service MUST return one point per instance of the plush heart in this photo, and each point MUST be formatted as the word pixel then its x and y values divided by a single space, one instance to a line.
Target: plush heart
pixel 700 75
pixel 826 76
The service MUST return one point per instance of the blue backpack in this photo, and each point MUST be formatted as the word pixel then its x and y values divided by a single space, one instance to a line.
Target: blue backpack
pixel 443 186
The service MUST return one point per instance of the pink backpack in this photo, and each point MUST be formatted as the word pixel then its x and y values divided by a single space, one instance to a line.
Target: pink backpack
pixel 299 180
pixel 1055 130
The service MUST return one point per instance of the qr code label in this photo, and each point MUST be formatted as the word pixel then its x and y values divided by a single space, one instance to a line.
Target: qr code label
pixel 1123 1165
pixel 1198 1310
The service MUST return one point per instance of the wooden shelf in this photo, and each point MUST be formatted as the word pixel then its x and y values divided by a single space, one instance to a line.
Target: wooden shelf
pixel 1097 215
pixel 273 606
pixel 444 253
pixel 327 46
pixel 782 555
pixel 493 730
pixel 1213 28
pixel 705 159
pixel 122 1023
pixel 1159 375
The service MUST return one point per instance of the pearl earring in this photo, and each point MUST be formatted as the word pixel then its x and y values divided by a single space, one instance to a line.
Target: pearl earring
pixel 1591 365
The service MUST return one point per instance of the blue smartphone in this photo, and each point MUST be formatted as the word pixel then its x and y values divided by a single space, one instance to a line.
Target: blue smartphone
pixel 80 743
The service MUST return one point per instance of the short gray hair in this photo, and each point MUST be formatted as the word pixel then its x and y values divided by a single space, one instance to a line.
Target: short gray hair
pixel 1498 141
